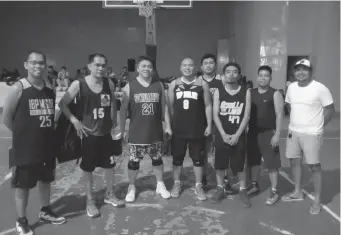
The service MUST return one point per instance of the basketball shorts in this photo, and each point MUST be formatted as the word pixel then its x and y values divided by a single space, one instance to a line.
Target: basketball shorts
pixel 138 152
pixel 258 146
pixel 304 145
pixel 230 156
pixel 27 176
pixel 99 151
pixel 196 149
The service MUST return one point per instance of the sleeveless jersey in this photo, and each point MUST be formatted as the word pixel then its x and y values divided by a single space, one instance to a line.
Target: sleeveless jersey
pixel 189 118
pixel 214 84
pixel 231 109
pixel 145 113
pixel 96 108
pixel 263 116
pixel 33 126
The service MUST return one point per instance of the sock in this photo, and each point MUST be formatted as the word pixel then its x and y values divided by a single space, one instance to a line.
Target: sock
pixel 21 218
pixel 177 181
pixel 160 182
pixel 273 190
pixel 221 186
pixel 197 184
pixel 242 188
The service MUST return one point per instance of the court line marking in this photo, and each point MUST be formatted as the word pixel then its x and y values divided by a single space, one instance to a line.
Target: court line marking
pixel 9 175
pixel 8 231
pixel 326 208
pixel 285 232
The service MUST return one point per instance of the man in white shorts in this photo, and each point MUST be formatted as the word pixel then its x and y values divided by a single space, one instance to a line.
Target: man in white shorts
pixel 311 107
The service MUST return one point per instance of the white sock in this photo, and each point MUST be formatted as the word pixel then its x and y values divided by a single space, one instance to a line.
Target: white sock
pixel 177 181
pixel 197 184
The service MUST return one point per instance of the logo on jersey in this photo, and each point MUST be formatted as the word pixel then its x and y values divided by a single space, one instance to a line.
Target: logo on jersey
pixel 233 109
pixel 41 107
pixel 147 100
pixel 105 100
pixel 187 95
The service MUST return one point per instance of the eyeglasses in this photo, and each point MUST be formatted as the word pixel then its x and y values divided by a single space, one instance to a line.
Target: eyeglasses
pixel 34 62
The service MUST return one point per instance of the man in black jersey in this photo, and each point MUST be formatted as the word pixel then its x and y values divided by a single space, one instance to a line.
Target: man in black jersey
pixel 97 120
pixel 28 113
pixel 267 107
pixel 190 104
pixel 144 102
pixel 231 114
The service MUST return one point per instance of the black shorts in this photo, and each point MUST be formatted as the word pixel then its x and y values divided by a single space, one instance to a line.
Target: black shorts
pixel 227 155
pixel 27 176
pixel 99 151
pixel 258 146
pixel 195 147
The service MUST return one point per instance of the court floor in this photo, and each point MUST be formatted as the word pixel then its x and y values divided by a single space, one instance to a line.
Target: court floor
pixel 151 214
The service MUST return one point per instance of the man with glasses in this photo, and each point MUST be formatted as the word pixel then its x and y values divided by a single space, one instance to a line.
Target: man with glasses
pixel 98 117
pixel 28 113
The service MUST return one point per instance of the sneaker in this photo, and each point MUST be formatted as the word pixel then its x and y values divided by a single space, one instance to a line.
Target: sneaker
pixel 47 215
pixel 200 192
pixel 113 200
pixel 243 197
pixel 176 190
pixel 218 195
pixel 130 197
pixel 273 197
pixel 254 189
pixel 162 190
pixel 229 190
pixel 22 227
pixel 91 209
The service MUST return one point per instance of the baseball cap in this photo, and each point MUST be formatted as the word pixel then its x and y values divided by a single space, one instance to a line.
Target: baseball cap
pixel 303 62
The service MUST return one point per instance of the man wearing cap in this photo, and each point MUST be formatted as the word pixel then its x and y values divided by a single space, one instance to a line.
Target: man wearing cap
pixel 311 107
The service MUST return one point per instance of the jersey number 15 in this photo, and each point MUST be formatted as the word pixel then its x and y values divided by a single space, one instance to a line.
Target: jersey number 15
pixel 98 113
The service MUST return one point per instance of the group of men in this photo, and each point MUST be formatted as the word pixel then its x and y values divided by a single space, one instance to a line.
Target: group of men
pixel 244 124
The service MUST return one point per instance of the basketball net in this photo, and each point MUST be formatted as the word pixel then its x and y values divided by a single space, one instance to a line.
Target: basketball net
pixel 146 7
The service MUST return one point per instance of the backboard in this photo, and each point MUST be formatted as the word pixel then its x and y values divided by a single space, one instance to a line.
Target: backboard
pixel 133 4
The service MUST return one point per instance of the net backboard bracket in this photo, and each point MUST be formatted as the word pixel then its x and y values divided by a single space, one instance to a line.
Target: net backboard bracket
pixel 167 4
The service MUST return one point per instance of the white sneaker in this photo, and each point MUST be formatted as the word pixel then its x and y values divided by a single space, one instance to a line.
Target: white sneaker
pixel 162 190
pixel 130 197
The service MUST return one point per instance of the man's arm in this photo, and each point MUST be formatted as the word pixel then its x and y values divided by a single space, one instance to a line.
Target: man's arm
pixel 113 111
pixel 10 104
pixel 208 103
pixel 279 108
pixel 165 110
pixel 246 116
pixel 68 97
pixel 327 113
pixel 171 98
pixel 216 103
pixel 327 103
pixel 124 108
pixel 287 100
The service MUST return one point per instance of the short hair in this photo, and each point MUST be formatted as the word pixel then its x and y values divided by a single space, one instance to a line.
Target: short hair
pixel 265 67
pixel 209 56
pixel 51 67
pixel 35 52
pixel 234 64
pixel 92 57
pixel 63 67
pixel 144 57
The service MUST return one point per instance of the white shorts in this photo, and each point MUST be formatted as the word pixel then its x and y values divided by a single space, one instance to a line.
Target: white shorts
pixel 304 145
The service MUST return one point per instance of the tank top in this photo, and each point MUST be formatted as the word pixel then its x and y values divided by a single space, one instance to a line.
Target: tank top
pixel 96 108
pixel 33 126
pixel 263 116
pixel 145 113
pixel 231 109
pixel 189 118
pixel 214 84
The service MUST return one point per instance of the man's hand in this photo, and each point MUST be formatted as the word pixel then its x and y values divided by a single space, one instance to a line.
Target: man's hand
pixel 234 139
pixel 168 131
pixel 275 140
pixel 81 129
pixel 208 131
pixel 226 138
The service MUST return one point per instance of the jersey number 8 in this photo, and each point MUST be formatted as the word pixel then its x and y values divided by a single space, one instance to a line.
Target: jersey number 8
pixel 186 104
pixel 98 113
pixel 45 121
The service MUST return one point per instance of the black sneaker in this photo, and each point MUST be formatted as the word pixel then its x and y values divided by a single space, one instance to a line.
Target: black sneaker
pixel 243 197
pixel 218 195
pixel 254 189
pixel 229 190
pixel 22 227
pixel 273 197
pixel 47 215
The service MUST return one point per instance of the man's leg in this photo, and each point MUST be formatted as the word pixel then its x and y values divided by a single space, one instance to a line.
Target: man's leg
pixel 207 150
pixel 155 153
pixel 178 151
pixel 294 153
pixel 254 159
pixel 136 153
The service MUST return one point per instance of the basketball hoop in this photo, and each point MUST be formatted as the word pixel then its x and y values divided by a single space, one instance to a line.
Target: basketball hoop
pixel 146 7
